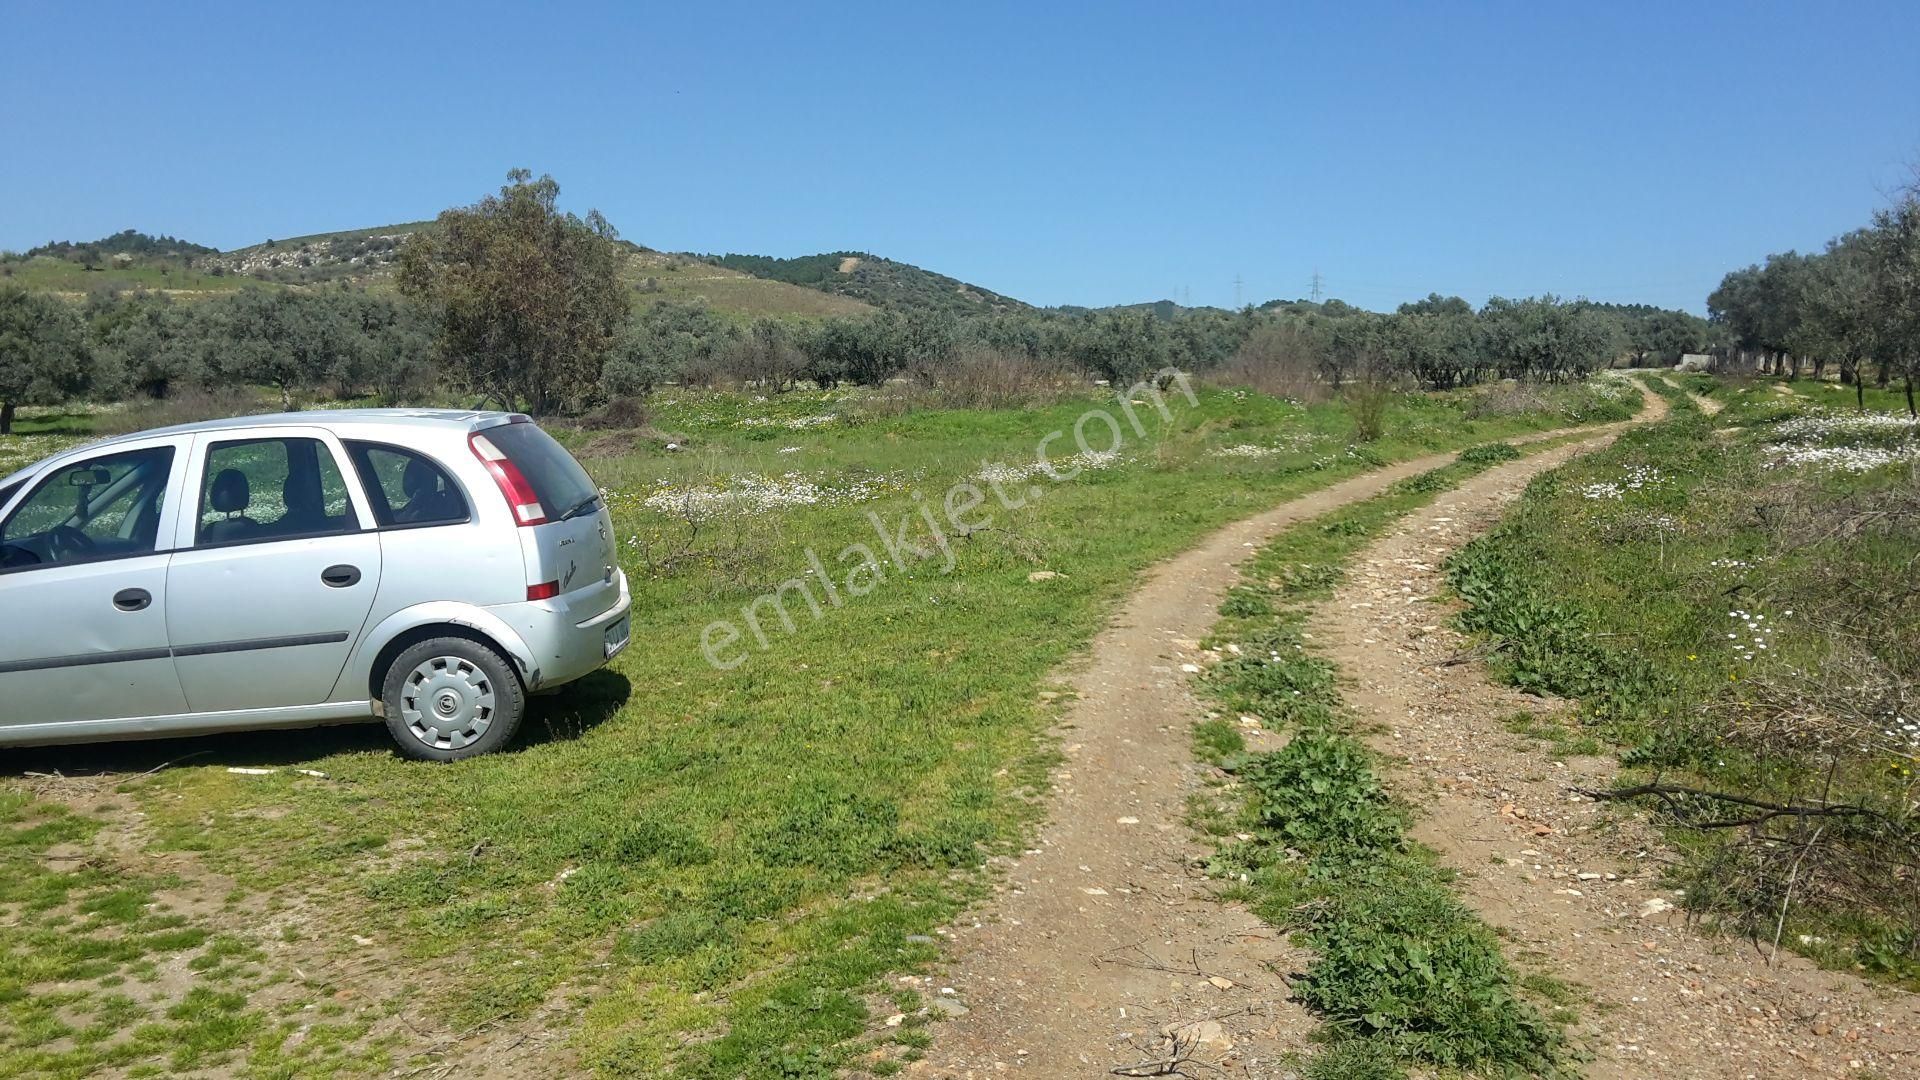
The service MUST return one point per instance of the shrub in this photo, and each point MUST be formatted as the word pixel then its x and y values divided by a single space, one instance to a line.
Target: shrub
pixel 620 414
pixel 1278 359
pixel 1507 399
pixel 1369 401
pixel 186 406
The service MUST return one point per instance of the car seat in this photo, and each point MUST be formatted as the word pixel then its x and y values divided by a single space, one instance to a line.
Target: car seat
pixel 427 500
pixel 230 495
pixel 306 509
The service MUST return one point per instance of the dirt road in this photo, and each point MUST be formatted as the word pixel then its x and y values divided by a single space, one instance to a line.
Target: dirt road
pixel 1572 884
pixel 1101 939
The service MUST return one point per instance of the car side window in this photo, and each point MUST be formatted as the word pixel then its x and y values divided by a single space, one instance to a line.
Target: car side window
pixel 256 490
pixel 106 507
pixel 406 487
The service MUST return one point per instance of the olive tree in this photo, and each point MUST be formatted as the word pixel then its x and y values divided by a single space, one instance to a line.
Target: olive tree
pixel 525 300
pixel 43 354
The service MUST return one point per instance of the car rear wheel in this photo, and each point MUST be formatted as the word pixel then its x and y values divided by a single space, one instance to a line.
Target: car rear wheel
pixel 451 698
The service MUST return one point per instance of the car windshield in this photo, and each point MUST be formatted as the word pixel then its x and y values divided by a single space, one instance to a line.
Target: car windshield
pixel 558 481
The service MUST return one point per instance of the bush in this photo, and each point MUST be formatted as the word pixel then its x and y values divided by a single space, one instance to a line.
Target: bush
pixel 622 413
pixel 1278 359
pixel 187 406
pixel 1369 405
pixel 1507 399
pixel 979 377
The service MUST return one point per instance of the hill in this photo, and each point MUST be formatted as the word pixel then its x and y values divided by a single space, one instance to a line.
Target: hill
pixel 368 257
pixel 128 242
pixel 353 254
pixel 690 279
pixel 883 283
pixel 126 260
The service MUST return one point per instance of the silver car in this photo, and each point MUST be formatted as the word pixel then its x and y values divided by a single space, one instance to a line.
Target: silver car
pixel 426 567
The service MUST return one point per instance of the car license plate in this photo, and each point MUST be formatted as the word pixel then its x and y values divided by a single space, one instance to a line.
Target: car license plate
pixel 617 635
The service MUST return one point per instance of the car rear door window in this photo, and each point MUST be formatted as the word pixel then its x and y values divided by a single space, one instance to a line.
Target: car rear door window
pixel 102 508
pixel 255 490
pixel 406 488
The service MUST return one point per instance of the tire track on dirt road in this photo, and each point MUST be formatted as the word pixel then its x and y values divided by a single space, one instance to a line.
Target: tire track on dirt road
pixel 1700 401
pixel 1102 937
pixel 1572 884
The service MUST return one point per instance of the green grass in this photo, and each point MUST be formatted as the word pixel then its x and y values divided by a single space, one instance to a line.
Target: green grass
pixel 47 274
pixel 1644 604
pixel 1403 972
pixel 712 869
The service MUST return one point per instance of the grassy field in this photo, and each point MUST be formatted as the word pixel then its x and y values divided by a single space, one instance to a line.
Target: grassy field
pixel 44 274
pixel 688 870
pixel 1730 600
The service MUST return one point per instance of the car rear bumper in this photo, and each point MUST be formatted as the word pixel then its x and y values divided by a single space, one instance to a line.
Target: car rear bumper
pixel 568 639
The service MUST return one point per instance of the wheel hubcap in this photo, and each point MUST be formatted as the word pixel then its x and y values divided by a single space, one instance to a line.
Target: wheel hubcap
pixel 447 703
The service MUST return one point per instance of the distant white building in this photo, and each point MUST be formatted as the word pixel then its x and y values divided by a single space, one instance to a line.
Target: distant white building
pixel 1694 361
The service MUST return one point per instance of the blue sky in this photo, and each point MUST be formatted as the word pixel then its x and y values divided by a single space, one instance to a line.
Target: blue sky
pixel 1091 154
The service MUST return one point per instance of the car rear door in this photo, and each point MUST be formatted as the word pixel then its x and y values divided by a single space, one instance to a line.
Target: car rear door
pixel 275 571
pixel 83 588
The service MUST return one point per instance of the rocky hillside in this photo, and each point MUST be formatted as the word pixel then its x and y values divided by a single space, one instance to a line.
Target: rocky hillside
pixel 353 254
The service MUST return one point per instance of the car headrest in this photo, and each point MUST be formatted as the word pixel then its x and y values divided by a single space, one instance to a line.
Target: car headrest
pixel 419 479
pixel 230 493
pixel 301 494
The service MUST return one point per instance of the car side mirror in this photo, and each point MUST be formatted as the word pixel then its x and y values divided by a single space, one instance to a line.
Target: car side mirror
pixel 88 478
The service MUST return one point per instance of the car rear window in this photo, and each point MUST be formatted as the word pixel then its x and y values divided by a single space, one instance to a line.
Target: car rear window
pixel 406 487
pixel 7 492
pixel 558 481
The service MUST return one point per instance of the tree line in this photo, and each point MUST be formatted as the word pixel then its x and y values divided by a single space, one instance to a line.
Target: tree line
pixel 516 303
pixel 1854 307
pixel 147 345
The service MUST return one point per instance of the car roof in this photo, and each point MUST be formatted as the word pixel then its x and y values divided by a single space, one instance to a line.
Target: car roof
pixel 363 419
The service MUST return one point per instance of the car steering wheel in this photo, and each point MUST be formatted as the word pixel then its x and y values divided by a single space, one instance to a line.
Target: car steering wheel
pixel 66 542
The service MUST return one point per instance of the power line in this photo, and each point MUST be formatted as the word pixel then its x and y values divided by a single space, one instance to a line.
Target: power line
pixel 1317 282
pixel 1236 292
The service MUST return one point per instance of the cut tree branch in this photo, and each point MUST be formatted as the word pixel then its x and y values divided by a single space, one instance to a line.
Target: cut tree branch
pixel 1671 796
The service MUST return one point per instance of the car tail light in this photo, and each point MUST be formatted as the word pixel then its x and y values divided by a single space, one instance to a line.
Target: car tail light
pixel 546 590
pixel 513 483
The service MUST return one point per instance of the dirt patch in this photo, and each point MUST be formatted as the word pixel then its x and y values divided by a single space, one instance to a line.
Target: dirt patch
pixel 1572 884
pixel 849 263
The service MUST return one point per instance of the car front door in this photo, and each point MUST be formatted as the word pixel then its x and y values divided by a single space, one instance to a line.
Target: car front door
pixel 275 573
pixel 83 589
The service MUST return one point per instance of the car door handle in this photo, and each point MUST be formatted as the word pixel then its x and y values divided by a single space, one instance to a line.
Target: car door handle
pixel 132 599
pixel 341 576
